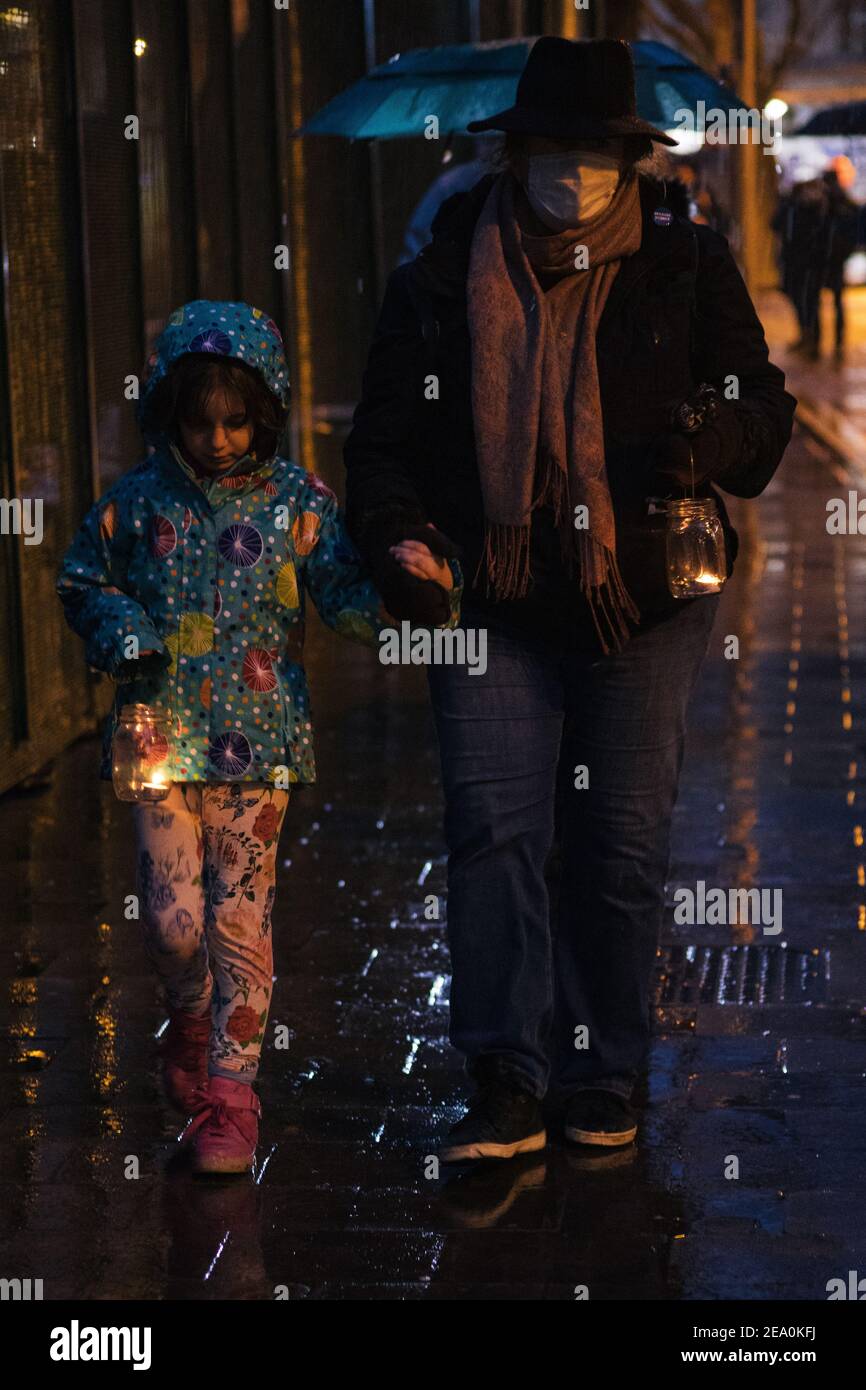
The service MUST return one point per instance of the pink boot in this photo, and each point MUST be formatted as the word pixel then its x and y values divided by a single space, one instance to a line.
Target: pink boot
pixel 184 1053
pixel 225 1127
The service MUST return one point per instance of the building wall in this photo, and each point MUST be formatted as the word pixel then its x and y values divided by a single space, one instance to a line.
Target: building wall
pixel 101 236
pixel 105 228
pixel 45 694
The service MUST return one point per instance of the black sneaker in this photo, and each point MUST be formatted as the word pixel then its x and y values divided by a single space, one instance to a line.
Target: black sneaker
pixel 599 1117
pixel 501 1121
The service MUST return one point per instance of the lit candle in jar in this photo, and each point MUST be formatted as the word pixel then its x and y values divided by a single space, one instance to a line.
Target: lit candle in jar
pixel 141 754
pixel 695 546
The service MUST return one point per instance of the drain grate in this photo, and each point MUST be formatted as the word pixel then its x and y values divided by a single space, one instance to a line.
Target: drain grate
pixel 747 975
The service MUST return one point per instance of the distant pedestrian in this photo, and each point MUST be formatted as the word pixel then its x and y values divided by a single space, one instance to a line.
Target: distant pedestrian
pixel 188 582
pixel 801 223
pixel 841 235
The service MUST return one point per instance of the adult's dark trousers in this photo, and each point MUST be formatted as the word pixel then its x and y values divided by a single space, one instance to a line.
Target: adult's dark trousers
pixel 806 294
pixel 836 285
pixel 564 1001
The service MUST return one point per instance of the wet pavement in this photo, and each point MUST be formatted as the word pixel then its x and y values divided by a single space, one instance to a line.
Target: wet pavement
pixel 760 1054
pixel 831 393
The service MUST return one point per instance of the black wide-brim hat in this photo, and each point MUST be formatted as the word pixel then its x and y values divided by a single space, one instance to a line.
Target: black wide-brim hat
pixel 575 87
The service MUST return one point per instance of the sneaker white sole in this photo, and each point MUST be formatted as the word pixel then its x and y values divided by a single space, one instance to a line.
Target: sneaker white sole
pixel 456 1153
pixel 610 1139
pixel 226 1167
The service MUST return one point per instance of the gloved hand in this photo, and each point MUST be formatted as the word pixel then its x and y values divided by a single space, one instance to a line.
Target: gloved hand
pixel 708 426
pixel 148 663
pixel 405 596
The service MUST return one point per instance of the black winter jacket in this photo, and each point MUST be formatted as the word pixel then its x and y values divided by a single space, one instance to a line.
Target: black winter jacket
pixel 678 314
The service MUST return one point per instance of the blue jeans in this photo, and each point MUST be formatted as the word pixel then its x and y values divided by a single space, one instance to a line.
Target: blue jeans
pixel 527 980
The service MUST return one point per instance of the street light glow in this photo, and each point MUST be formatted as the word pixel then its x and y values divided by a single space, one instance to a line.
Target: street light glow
pixel 688 141
pixel 775 109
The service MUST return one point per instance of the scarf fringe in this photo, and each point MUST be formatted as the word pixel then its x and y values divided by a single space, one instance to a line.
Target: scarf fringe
pixel 609 601
pixel 505 560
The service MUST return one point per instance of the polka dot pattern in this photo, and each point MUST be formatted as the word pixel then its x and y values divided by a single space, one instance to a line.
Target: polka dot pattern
pixel 225 328
pixel 213 576
pixel 216 582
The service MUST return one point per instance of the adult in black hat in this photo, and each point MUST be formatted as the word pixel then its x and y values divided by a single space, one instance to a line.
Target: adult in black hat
pixel 590 350
pixel 572 90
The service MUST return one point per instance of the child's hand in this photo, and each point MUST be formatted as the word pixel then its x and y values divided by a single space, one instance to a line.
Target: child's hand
pixel 417 558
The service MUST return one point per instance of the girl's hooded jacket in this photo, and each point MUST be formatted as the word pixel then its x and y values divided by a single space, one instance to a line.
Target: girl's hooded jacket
pixel 212 574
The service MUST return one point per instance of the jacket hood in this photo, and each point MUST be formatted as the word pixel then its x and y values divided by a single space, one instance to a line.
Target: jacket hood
pixel 226 328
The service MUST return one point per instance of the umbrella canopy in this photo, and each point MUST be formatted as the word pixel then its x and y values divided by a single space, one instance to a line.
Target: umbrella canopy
pixel 848 118
pixel 464 82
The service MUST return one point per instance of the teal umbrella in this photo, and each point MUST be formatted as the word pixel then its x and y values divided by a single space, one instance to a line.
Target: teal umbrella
pixel 463 82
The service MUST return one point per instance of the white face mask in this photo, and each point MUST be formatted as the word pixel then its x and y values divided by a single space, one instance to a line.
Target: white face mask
pixel 565 189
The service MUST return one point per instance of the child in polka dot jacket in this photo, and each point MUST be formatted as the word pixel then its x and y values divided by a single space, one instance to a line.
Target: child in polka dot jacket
pixel 187 582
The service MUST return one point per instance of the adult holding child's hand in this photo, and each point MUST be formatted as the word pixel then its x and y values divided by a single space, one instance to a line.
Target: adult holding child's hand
pixel 411 571
pixel 519 394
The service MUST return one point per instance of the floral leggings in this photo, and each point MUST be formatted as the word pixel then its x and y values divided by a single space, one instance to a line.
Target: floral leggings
pixel 206 869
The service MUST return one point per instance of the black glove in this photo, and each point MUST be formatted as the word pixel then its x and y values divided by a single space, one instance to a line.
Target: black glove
pixel 706 429
pixel 405 596
pixel 147 665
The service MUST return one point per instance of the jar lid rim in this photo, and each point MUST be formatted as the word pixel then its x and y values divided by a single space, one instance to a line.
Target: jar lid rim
pixel 684 504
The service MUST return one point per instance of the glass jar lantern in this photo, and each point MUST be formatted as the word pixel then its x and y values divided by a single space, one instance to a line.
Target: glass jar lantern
pixel 695 544
pixel 140 754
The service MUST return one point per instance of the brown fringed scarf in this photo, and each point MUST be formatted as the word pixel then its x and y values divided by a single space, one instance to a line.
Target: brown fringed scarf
pixel 535 394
